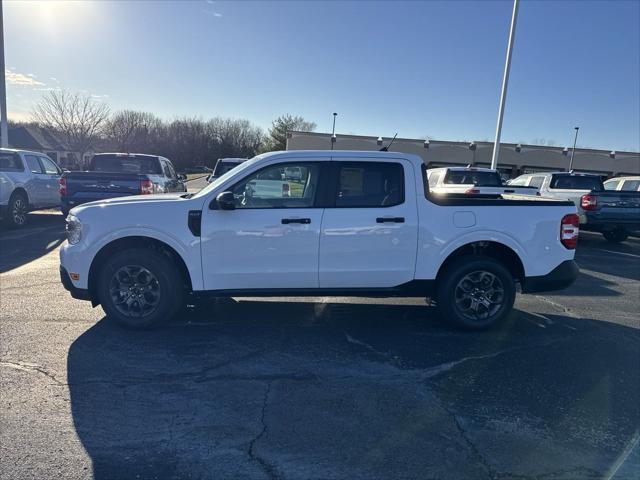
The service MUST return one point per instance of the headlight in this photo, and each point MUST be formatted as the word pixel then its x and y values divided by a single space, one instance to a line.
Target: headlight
pixel 74 229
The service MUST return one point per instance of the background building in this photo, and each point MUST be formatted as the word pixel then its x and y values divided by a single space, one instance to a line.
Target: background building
pixel 515 159
pixel 39 139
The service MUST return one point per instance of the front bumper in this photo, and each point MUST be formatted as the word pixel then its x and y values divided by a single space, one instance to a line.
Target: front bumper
pixel 558 279
pixel 78 293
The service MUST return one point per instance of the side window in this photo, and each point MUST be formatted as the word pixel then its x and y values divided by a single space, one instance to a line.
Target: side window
pixel 631 185
pixel 10 162
pixel 369 184
pixel 434 178
pixel 33 164
pixel 536 181
pixel 49 167
pixel 275 187
pixel 519 182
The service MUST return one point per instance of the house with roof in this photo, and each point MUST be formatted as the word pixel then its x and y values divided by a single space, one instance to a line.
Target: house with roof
pixel 39 139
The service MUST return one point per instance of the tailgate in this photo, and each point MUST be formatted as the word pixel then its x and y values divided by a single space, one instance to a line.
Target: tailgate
pixel 102 185
pixel 623 207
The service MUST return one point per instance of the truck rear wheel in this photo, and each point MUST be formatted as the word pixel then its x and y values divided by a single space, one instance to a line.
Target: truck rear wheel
pixel 475 292
pixel 615 236
pixel 140 288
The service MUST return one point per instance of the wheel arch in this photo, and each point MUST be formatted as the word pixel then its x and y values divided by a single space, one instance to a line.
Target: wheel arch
pixel 21 191
pixel 128 242
pixel 504 254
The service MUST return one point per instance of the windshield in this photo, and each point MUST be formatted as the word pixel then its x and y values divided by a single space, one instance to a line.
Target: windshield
pixel 576 182
pixel 125 164
pixel 230 173
pixel 468 177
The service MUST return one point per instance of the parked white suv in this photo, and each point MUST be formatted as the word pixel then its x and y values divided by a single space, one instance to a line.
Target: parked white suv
pixel 358 223
pixel 28 181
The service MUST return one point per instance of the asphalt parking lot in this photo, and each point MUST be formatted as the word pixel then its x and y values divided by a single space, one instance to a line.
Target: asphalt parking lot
pixel 319 388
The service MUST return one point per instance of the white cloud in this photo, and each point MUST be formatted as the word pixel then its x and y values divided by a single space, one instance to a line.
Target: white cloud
pixel 15 78
pixel 209 9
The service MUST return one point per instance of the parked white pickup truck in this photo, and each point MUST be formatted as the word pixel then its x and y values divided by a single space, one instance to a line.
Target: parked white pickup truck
pixel 472 181
pixel 360 224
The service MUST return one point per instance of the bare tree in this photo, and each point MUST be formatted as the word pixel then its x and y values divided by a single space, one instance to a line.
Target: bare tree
pixel 129 130
pixel 78 118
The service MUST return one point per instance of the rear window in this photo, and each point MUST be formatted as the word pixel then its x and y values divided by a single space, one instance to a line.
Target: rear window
pixel 224 167
pixel 575 182
pixel 125 164
pixel 369 184
pixel 10 162
pixel 480 179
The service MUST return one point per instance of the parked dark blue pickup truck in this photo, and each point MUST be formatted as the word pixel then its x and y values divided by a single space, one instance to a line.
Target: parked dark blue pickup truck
pixel 118 175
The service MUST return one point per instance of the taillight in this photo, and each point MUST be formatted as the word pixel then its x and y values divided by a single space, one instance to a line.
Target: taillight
pixel 146 187
pixel 63 186
pixel 569 230
pixel 589 202
pixel 472 191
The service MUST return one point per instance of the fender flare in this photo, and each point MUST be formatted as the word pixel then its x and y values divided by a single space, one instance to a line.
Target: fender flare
pixel 484 236
pixel 194 269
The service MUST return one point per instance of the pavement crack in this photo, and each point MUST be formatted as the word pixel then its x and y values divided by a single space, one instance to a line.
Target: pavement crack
pixel 566 310
pixel 491 474
pixel 268 468
pixel 445 367
pixel 31 367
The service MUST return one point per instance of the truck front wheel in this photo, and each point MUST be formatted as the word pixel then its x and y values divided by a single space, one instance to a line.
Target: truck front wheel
pixel 615 236
pixel 140 288
pixel 475 292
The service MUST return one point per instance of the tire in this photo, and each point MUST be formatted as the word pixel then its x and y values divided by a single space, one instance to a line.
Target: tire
pixel 615 236
pixel 463 292
pixel 17 210
pixel 148 274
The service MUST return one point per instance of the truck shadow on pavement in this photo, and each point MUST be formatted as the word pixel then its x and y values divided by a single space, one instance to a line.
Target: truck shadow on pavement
pixel 275 389
pixel 43 233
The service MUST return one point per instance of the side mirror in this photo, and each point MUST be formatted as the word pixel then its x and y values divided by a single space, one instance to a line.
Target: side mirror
pixel 182 176
pixel 226 201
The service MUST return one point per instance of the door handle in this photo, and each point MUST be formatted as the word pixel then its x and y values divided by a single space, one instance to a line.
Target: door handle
pixel 390 219
pixel 287 221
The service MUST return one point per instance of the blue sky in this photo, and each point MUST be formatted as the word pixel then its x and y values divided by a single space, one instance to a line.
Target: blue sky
pixel 417 68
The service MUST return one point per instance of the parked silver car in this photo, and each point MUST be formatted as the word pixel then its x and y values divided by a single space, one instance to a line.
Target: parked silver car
pixel 28 181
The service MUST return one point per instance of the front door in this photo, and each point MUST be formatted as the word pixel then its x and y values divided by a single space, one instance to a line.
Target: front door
pixel 37 186
pixel 51 181
pixel 370 225
pixel 270 240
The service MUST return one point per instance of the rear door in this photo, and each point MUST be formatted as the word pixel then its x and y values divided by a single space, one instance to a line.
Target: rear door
pixel 370 225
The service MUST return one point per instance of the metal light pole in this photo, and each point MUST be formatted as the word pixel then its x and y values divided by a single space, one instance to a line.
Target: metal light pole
pixel 333 131
pixel 573 151
pixel 505 81
pixel 4 129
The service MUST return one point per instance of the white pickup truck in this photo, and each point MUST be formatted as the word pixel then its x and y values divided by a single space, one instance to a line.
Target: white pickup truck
pixel 358 224
pixel 472 181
